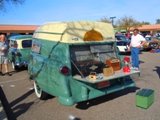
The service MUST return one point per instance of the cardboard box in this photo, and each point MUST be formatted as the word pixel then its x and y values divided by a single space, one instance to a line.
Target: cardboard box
pixel 144 98
pixel 108 71
pixel 114 63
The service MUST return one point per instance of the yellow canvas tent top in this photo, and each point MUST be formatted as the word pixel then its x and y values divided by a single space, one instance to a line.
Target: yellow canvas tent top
pixel 76 32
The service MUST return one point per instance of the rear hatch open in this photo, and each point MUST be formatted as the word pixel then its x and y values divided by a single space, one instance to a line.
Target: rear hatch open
pixel 90 59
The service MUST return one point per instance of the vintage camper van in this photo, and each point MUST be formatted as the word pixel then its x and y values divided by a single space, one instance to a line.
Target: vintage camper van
pixel 76 61
pixel 19 50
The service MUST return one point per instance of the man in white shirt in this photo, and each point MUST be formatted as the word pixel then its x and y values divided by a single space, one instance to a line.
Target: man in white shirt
pixel 137 41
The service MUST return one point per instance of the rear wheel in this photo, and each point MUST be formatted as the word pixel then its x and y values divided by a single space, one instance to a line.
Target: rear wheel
pixel 14 67
pixel 39 92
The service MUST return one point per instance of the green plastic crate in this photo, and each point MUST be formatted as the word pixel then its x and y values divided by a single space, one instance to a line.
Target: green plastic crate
pixel 144 98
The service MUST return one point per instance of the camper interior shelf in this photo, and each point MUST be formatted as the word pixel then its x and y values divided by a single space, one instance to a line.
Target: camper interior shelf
pixel 100 77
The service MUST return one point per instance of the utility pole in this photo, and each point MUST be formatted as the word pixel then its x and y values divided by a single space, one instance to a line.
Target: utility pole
pixel 112 20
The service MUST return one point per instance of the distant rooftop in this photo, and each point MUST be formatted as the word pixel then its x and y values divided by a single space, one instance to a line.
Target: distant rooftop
pixel 18 28
pixel 154 27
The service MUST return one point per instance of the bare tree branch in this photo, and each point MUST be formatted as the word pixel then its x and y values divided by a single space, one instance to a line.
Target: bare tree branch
pixel 4 2
pixel 105 19
pixel 127 23
pixel 157 21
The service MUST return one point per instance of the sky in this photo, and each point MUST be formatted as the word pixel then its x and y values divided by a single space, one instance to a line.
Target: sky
pixel 37 12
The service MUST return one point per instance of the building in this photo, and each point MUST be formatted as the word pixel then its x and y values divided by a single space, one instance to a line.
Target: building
pixel 29 29
pixel 149 29
pixel 144 29
pixel 19 29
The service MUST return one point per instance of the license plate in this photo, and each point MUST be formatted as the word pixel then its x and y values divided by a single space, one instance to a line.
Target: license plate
pixel 103 84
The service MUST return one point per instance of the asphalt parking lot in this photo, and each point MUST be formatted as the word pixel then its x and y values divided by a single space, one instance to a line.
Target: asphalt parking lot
pixel 121 105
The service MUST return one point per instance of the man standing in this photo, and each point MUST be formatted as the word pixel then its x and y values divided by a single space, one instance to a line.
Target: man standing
pixel 137 42
pixel 3 55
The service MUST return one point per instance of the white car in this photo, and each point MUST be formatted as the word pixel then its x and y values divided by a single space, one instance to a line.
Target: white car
pixel 122 47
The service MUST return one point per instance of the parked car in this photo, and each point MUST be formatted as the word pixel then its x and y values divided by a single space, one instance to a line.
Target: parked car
pixel 151 43
pixel 19 50
pixel 122 44
pixel 122 47
pixel 158 36
pixel 121 37
pixel 155 44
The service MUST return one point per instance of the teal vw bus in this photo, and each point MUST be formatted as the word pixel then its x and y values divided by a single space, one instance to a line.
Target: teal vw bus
pixel 68 60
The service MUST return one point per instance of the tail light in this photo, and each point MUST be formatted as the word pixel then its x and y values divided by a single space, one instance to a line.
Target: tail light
pixel 65 70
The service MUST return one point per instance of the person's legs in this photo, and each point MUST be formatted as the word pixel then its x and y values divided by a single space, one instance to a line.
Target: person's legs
pixel 136 57
pixel 133 56
pixel 1 62
pixel 6 66
pixel 0 68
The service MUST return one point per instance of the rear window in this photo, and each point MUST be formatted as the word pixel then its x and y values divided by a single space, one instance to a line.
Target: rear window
pixel 122 43
pixel 92 52
pixel 26 43
pixel 120 38
pixel 13 44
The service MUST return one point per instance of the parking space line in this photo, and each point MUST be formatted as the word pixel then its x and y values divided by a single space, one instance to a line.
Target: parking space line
pixel 9 81
pixel 12 86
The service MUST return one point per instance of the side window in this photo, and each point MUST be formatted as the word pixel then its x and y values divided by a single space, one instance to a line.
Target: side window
pixel 26 43
pixel 13 44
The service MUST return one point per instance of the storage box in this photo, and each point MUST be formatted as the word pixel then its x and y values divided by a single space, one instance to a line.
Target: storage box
pixel 114 63
pixel 144 98
pixel 108 71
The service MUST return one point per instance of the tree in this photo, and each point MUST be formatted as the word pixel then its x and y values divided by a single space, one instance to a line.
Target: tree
pixel 126 23
pixel 105 19
pixel 145 23
pixel 4 2
pixel 158 21
pixel 108 20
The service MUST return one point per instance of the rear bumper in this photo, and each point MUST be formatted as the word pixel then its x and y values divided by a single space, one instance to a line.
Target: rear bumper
pixel 89 92
pixel 90 89
pixel 21 64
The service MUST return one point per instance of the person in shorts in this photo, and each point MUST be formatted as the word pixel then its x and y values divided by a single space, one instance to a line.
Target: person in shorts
pixel 3 55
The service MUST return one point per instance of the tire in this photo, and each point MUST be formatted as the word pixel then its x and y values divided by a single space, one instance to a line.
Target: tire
pixel 14 67
pixel 39 92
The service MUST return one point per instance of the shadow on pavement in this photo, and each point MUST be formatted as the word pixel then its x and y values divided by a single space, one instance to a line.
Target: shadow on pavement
pixel 157 69
pixel 19 109
pixel 86 104
pixel 21 98
pixel 17 71
pixel 6 106
pixel 140 62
